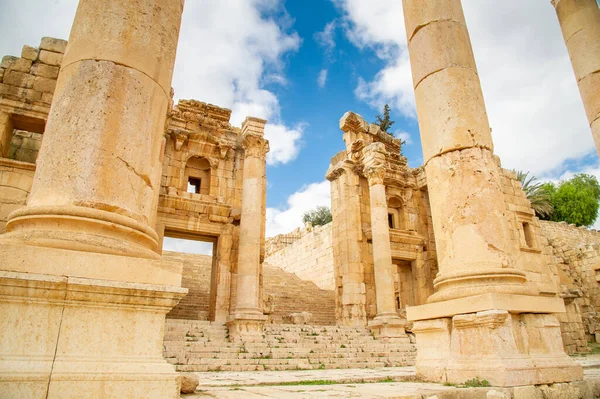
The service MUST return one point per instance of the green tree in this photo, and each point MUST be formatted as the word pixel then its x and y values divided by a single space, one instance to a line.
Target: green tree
pixel 575 200
pixel 319 216
pixel 385 122
pixel 537 194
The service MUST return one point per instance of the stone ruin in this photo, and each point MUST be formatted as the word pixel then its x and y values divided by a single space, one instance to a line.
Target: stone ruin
pixel 450 253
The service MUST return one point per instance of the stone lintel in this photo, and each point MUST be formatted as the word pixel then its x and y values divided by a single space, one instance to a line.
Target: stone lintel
pixel 44 260
pixel 510 302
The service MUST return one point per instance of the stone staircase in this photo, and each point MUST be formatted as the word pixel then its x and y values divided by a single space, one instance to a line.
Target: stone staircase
pixel 195 346
pixel 290 294
pixel 293 295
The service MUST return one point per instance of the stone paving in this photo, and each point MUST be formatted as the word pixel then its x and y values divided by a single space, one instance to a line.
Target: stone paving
pixel 347 383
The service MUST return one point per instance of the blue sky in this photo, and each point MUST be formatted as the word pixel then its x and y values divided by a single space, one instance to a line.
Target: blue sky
pixel 302 64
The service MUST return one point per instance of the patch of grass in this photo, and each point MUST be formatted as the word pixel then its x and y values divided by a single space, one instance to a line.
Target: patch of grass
pixel 322 366
pixel 343 346
pixel 314 334
pixel 476 383
pixel 387 379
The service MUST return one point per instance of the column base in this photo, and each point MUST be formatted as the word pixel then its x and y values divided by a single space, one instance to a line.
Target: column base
pixel 247 327
pixel 505 349
pixel 388 326
pixel 61 336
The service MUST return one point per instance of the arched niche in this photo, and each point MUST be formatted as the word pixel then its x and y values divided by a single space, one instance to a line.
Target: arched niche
pixel 198 175
pixel 396 213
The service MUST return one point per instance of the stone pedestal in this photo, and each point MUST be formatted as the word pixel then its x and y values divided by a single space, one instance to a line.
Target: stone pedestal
pixel 247 328
pixel 61 335
pixel 505 349
pixel 482 321
pixel 580 24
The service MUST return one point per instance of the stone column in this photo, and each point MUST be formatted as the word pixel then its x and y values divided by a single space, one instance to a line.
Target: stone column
pixel 471 320
pixel 580 24
pixel 83 293
pixel 387 323
pixel 6 133
pixel 248 317
pixel 98 172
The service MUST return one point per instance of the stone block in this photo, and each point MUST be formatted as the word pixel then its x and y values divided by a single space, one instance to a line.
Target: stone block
pixel 29 53
pixel 189 382
pixel 527 392
pixel 52 44
pixel 18 79
pixel 47 98
pixel 2 74
pixel 50 57
pixel 43 70
pixel 20 93
pixel 44 85
pixel 15 63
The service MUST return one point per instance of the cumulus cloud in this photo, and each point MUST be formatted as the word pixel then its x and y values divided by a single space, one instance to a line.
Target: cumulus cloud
pixel 285 219
pixel 228 52
pixel 322 79
pixel 532 99
pixel 285 143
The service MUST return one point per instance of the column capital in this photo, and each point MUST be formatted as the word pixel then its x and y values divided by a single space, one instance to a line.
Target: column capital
pixel 255 145
pixel 374 163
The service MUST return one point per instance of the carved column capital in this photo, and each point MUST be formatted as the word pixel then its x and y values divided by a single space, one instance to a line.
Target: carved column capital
pixel 255 145
pixel 374 163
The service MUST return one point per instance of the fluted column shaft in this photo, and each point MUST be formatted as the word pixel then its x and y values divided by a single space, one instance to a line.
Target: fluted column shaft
pixel 98 172
pixel 249 267
pixel 580 24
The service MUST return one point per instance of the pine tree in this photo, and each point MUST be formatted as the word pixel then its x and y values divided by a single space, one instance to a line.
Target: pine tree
pixel 385 123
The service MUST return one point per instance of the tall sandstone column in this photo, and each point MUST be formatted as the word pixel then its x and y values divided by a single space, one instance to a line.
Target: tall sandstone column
pixel 387 323
pixel 83 293
pixel 98 172
pixel 248 317
pixel 580 24
pixel 469 328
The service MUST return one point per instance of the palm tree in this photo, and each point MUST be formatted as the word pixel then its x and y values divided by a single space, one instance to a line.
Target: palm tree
pixel 536 194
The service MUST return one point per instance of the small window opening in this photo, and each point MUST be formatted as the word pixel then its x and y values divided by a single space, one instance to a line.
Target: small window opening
pixel 528 235
pixel 194 185
pixel 391 220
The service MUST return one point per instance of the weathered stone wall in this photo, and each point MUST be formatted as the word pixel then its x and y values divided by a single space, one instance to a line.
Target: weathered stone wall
pixel 310 256
pixel 24 146
pixel 15 184
pixel 26 89
pixel 576 252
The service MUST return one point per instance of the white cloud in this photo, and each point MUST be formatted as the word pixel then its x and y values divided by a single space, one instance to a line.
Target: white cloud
pixel 228 52
pixel 187 246
pixel 285 142
pixel 322 79
pixel 532 99
pixel 280 221
pixel 326 38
